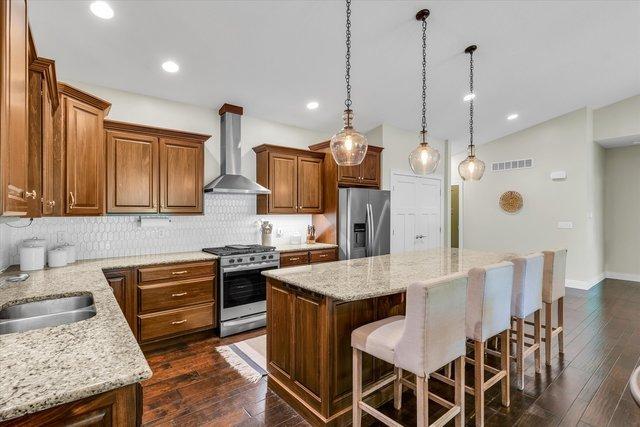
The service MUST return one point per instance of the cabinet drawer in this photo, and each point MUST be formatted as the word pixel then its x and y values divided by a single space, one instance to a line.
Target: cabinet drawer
pixel 294 258
pixel 161 296
pixel 175 322
pixel 175 271
pixel 324 255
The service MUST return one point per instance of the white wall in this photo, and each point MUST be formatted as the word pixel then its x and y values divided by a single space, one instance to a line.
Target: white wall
pixel 622 213
pixel 563 143
pixel 618 123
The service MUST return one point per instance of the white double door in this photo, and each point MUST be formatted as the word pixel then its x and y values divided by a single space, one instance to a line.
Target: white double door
pixel 416 212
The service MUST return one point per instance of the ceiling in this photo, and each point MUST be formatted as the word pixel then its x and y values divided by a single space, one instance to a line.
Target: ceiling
pixel 537 58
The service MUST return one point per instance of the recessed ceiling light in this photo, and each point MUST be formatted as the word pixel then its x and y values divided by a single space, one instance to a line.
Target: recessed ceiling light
pixel 468 97
pixel 170 67
pixel 512 116
pixel 312 105
pixel 101 9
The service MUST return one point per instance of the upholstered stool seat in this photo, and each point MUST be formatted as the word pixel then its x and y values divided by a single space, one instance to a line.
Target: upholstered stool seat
pixel 430 336
pixel 379 338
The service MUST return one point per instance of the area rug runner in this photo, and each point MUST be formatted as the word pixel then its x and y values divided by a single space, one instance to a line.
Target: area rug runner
pixel 248 357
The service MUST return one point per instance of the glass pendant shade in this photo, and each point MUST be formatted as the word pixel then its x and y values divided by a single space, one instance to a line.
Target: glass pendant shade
pixel 348 146
pixel 424 159
pixel 471 169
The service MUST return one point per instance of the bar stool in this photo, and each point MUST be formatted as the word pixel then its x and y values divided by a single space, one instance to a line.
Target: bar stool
pixel 553 278
pixel 488 315
pixel 526 299
pixel 431 335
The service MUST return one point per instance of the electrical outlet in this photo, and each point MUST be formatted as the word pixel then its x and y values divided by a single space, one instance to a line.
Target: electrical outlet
pixel 565 224
pixel 62 237
pixel 279 232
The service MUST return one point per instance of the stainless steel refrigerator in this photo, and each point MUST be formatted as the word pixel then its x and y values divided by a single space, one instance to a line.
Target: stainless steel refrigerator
pixel 364 222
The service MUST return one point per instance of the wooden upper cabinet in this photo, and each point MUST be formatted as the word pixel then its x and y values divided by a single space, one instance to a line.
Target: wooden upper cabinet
pixel 132 172
pixel 366 174
pixel 295 178
pixel 14 158
pixel 84 149
pixel 153 170
pixel 310 184
pixel 181 176
pixel 283 183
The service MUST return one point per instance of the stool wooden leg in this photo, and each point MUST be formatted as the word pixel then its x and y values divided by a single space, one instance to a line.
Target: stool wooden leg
pixel 357 388
pixel 459 390
pixel 537 339
pixel 520 352
pixel 561 325
pixel 548 331
pixel 505 366
pixel 397 389
pixel 422 402
pixel 478 386
pixel 447 370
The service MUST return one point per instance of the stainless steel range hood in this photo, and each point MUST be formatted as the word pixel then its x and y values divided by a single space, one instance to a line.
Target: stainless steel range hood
pixel 230 179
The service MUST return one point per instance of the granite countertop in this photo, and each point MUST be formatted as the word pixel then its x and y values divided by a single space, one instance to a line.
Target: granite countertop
pixel 383 275
pixel 50 366
pixel 304 247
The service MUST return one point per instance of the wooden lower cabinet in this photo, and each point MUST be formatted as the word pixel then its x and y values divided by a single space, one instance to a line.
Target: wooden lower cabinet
pixel 290 259
pixel 121 407
pixel 309 352
pixel 123 285
pixel 169 323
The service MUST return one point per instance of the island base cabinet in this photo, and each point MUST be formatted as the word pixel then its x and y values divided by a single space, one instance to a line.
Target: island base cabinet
pixel 309 352
pixel 121 407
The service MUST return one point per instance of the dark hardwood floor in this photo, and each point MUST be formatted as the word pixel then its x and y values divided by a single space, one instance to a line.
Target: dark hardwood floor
pixel 192 384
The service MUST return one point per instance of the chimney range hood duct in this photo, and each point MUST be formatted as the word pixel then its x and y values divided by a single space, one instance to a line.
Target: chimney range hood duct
pixel 230 180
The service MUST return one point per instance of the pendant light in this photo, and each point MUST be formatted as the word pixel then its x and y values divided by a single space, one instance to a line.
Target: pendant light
pixel 471 168
pixel 424 159
pixel 348 146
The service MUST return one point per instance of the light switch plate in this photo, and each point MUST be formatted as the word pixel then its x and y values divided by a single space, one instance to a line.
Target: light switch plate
pixel 565 224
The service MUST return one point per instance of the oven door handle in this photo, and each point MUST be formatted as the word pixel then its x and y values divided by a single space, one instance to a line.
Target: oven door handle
pixel 250 267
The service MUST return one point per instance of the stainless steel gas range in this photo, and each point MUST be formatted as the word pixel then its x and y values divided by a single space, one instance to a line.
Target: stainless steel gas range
pixel 242 287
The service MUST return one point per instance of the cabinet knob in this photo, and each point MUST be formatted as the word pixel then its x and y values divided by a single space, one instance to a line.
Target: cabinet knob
pixel 51 203
pixel 31 194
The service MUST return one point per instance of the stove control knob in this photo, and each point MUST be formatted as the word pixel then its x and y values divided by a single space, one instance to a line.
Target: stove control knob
pixel 239 260
pixel 252 258
pixel 231 261
pixel 270 256
pixel 264 257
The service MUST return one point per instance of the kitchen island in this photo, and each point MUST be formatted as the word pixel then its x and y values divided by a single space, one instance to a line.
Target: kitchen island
pixel 312 309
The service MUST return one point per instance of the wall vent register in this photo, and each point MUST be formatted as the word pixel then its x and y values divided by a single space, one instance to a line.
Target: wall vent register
pixel 511 165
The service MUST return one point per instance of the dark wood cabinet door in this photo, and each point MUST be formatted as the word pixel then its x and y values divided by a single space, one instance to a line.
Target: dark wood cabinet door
pixel 14 158
pixel 283 182
pixel 370 169
pixel 310 184
pixel 280 329
pixel 84 158
pixel 36 142
pixel 132 173
pixel 181 176
pixel 122 283
pixel 349 174
pixel 307 352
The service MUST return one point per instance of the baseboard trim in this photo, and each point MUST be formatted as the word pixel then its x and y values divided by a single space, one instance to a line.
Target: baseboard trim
pixel 584 284
pixel 622 276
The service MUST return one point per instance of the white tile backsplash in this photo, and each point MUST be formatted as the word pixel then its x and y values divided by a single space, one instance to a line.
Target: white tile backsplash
pixel 227 219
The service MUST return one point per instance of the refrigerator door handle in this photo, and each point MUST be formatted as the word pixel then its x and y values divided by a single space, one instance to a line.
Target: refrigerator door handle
pixel 370 227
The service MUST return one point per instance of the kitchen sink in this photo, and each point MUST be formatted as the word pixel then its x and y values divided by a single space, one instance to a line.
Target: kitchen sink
pixel 45 313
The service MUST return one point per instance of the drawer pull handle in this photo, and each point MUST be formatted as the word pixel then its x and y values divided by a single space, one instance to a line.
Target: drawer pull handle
pixel 322 255
pixel 175 273
pixel 294 259
pixel 177 322
pixel 179 294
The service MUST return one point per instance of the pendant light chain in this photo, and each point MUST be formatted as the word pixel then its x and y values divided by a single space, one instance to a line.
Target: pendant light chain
pixel 424 79
pixel 347 101
pixel 471 104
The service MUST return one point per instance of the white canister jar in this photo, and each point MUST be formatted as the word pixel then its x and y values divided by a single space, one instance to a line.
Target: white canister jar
pixel 31 258
pixel 57 257
pixel 70 250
